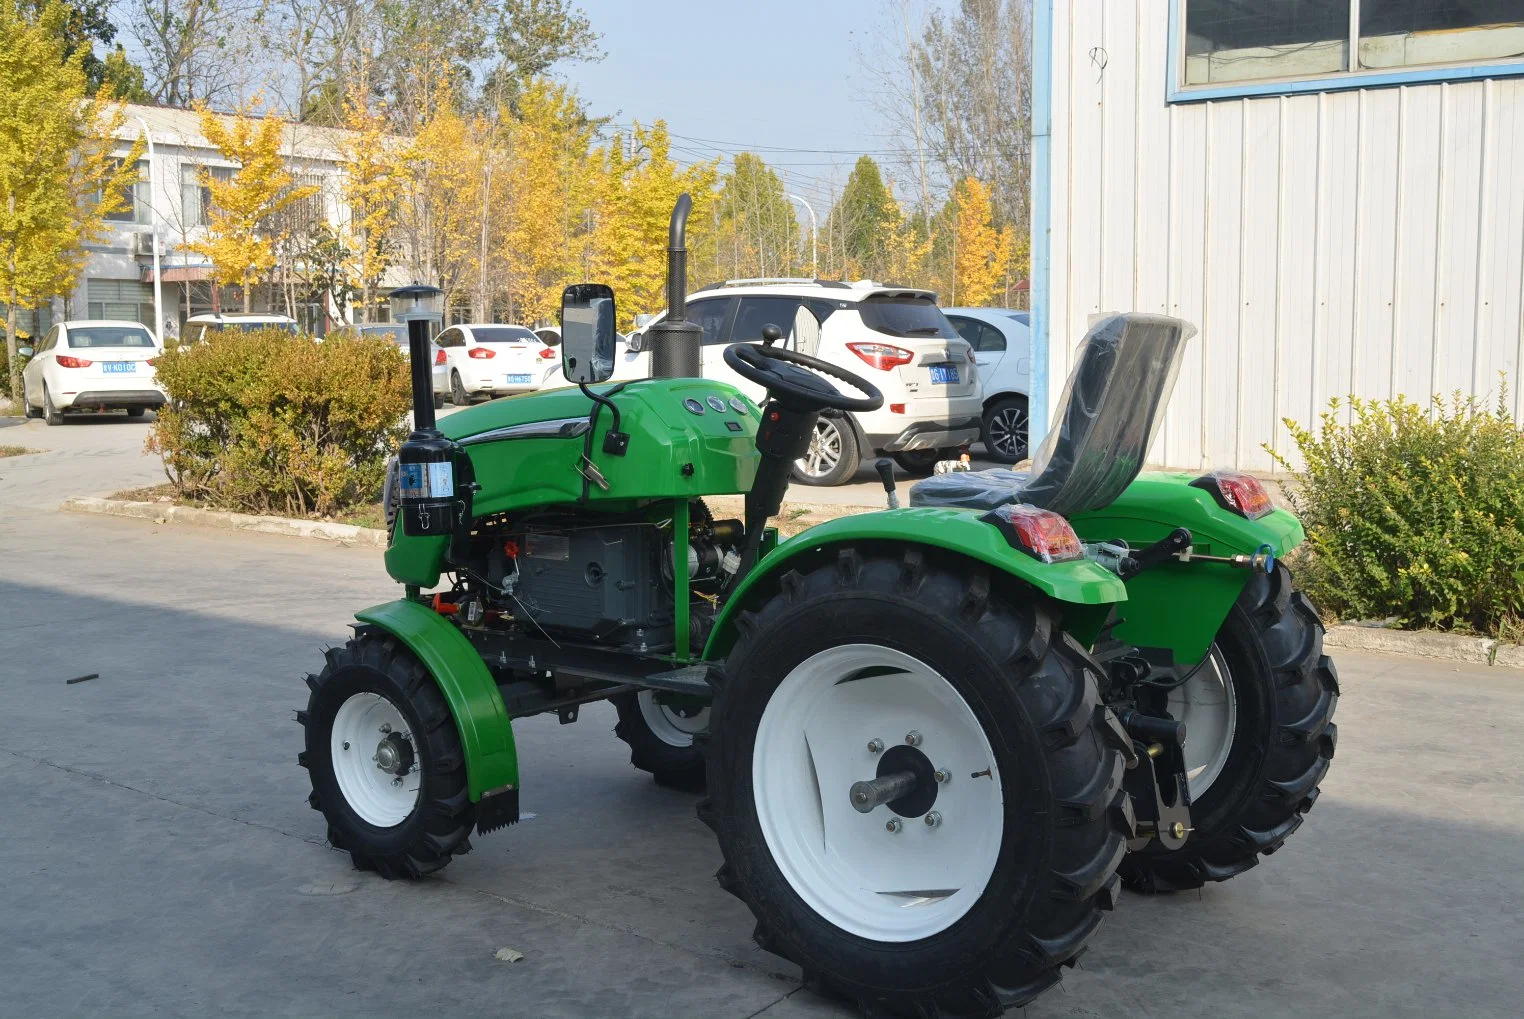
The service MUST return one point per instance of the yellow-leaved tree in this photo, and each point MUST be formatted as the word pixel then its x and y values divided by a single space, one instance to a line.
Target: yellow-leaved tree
pixel 544 199
pixel 441 211
pixel 373 165
pixel 239 241
pixel 634 198
pixel 982 254
pixel 58 179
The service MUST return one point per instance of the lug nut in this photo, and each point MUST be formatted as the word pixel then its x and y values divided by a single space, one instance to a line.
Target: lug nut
pixel 386 728
pixel 892 826
pixel 875 746
pixel 912 738
pixel 943 775
pixel 933 820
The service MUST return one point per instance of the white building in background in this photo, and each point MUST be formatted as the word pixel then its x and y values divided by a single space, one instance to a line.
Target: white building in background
pixel 1331 190
pixel 169 208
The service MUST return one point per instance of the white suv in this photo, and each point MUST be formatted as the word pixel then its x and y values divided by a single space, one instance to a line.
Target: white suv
pixel 896 338
pixel 198 326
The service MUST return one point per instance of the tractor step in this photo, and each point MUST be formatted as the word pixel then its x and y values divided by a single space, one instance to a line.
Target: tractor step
pixel 690 679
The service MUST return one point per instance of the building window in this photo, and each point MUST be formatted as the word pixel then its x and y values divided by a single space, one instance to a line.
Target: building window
pixel 1229 42
pixel 195 196
pixel 136 199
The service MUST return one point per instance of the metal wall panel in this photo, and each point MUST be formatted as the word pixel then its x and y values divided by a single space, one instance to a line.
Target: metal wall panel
pixel 1367 241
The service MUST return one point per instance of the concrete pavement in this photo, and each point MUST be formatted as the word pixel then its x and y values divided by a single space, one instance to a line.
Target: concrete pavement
pixel 160 857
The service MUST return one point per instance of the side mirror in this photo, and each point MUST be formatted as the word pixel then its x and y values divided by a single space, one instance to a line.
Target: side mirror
pixel 23 351
pixel 636 343
pixel 587 332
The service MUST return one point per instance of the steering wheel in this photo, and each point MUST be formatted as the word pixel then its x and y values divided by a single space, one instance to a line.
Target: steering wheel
pixel 782 373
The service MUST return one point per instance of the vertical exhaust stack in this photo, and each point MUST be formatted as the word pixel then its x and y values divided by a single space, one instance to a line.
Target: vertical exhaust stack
pixel 674 342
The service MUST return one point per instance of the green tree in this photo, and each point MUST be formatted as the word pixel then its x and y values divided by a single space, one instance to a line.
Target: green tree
pixel 82 24
pixel 58 178
pixel 757 234
pixel 864 221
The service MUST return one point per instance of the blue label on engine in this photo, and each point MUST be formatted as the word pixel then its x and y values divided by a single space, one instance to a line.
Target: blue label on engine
pixel 411 481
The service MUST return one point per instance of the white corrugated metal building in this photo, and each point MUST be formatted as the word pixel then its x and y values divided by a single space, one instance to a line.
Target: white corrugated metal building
pixel 1331 190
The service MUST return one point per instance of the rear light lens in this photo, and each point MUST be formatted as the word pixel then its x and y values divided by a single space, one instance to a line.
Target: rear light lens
pixel 65 361
pixel 439 356
pixel 882 356
pixel 896 408
pixel 481 353
pixel 547 354
pixel 1237 493
pixel 153 360
pixel 1038 532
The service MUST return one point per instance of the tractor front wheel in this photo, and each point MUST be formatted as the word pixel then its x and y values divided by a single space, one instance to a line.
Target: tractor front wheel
pixel 385 760
pixel 660 729
pixel 910 786
pixel 1259 738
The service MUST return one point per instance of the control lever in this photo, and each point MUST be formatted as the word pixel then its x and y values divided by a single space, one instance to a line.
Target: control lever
pixel 771 334
pixel 885 468
pixel 1166 548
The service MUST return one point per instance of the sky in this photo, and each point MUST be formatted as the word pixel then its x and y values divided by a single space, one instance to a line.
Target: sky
pixel 745 76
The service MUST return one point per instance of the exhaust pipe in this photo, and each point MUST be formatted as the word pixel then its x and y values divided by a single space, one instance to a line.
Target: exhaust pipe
pixel 674 342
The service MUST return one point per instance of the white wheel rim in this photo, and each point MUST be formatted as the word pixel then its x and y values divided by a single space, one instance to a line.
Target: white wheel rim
pixel 362 723
pixel 668 724
pixel 813 743
pixel 1209 709
pixel 824 452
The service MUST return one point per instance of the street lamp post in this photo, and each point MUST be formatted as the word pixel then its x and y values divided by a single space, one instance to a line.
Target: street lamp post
pixel 153 233
pixel 814 234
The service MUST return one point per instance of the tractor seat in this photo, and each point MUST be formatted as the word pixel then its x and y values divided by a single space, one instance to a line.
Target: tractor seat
pixel 1111 411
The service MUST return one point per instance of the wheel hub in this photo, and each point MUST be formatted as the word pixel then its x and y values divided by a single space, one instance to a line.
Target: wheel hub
pixel 906 782
pixel 394 754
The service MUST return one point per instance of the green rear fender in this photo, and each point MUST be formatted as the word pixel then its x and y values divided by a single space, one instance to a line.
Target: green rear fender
pixel 1086 588
pixel 486 734
pixel 1181 606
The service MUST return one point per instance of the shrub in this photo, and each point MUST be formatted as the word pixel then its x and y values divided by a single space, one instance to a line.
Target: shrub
pixel 1414 514
pixel 269 422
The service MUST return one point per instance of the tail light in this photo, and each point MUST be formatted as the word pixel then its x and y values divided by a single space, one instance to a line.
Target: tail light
pixel 153 360
pixel 882 356
pixel 439 356
pixel 65 361
pixel 1040 533
pixel 1237 493
pixel 547 354
pixel 481 353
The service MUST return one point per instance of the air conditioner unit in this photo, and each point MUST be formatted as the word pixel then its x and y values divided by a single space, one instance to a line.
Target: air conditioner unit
pixel 143 243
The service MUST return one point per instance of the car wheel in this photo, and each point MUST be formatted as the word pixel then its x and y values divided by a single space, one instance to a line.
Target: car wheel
pixel 26 402
pixel 1005 430
pixel 832 457
pixel 458 394
pixel 438 400
pixel 50 413
pixel 136 412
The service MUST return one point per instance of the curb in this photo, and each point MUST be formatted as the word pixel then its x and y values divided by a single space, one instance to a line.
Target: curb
pixel 1449 647
pixel 167 513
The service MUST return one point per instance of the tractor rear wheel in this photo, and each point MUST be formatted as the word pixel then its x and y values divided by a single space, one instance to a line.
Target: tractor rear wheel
pixel 987 869
pixel 385 760
pixel 661 737
pixel 1259 739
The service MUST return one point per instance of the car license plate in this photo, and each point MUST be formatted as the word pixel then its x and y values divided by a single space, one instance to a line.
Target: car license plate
pixel 944 374
pixel 119 367
pixel 518 380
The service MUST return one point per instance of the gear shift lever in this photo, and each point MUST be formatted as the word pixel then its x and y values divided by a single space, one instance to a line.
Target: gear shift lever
pixel 885 468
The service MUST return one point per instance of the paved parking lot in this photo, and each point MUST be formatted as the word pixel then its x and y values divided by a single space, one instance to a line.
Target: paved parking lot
pixel 159 856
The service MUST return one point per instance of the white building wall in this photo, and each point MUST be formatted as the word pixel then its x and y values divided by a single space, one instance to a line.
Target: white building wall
pixel 1368 241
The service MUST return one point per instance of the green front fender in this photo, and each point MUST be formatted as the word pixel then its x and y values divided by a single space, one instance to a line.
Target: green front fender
pixel 1181 606
pixel 1082 584
pixel 486 734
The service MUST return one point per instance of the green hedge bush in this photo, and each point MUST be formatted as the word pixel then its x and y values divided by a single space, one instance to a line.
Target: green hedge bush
pixel 267 422
pixel 1414 514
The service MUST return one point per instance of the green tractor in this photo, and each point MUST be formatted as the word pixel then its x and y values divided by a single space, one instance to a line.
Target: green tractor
pixel 934 741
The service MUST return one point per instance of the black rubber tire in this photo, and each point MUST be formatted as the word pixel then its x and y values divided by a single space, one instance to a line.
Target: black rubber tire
pixel 1066 821
pixel 440 825
pixel 1286 691
pixel 51 414
pixel 458 394
pixel 1005 405
pixel 439 400
pixel 921 462
pixel 846 467
pixel 26 404
pixel 136 412
pixel 675 767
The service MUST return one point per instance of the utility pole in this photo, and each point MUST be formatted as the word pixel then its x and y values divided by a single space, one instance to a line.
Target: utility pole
pixel 153 234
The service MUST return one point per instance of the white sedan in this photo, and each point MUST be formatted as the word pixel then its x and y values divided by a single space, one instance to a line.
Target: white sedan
pixel 494 360
pixel 1002 342
pixel 94 365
